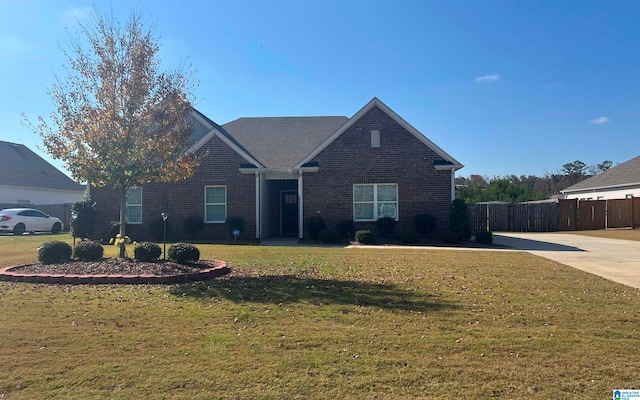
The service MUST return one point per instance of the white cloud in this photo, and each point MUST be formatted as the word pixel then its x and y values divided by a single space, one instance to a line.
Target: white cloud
pixel 599 121
pixel 487 78
pixel 71 16
pixel 12 44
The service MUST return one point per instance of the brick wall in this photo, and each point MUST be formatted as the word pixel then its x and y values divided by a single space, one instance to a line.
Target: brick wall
pixel 401 159
pixel 219 166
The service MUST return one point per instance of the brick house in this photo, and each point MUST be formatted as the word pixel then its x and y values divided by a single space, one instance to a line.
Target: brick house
pixel 276 172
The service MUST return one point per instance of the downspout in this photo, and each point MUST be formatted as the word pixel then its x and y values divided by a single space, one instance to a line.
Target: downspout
pixel 258 203
pixel 453 184
pixel 300 207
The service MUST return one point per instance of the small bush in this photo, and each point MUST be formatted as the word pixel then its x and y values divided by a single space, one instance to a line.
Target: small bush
pixel 409 237
pixel 147 251
pixel 385 226
pixel 346 229
pixel 425 224
pixel 84 222
pixel 484 237
pixel 314 225
pixel 89 250
pixel 192 226
pixel 328 236
pixel 235 223
pixel 459 220
pixel 156 229
pixel 448 237
pixel 183 253
pixel 54 252
pixel 364 237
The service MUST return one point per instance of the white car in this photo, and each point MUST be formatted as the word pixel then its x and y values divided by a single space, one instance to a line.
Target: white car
pixel 21 220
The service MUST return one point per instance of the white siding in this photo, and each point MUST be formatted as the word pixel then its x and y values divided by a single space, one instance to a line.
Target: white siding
pixel 605 194
pixel 25 195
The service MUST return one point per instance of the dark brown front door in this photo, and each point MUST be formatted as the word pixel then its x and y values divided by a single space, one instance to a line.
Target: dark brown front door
pixel 289 213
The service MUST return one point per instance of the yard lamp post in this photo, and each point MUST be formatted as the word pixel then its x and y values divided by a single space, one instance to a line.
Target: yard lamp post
pixel 164 234
pixel 72 228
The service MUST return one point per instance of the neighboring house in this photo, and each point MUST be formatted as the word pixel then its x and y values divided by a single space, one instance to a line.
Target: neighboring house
pixel 27 179
pixel 277 172
pixel 619 182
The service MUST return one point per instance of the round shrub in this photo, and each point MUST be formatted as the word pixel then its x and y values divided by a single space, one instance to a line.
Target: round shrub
pixel 364 237
pixel 314 225
pixel 328 236
pixel 409 237
pixel 183 253
pixel 89 250
pixel 192 226
pixel 54 252
pixel 346 228
pixel 385 226
pixel 449 237
pixel 425 224
pixel 484 237
pixel 147 251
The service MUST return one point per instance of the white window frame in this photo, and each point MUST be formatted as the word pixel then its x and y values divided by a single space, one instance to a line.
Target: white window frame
pixel 215 204
pixel 375 201
pixel 130 205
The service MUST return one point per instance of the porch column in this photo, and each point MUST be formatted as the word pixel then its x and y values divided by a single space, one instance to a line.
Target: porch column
pixel 300 207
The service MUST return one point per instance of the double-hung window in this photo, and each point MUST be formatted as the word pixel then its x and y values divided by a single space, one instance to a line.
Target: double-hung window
pixel 373 201
pixel 215 204
pixel 134 206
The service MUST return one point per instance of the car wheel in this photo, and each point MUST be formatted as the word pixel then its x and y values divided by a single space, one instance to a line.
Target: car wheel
pixel 18 230
pixel 56 228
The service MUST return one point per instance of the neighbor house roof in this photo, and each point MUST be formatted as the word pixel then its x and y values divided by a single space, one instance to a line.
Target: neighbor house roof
pixel 19 166
pixel 282 142
pixel 625 174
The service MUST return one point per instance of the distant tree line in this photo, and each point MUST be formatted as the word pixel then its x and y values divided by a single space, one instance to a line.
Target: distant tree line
pixel 518 189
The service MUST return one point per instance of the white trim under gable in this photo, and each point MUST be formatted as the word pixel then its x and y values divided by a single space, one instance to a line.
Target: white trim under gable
pixel 215 132
pixel 455 165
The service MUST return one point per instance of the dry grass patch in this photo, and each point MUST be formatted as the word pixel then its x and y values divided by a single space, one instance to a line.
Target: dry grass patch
pixel 318 323
pixel 626 234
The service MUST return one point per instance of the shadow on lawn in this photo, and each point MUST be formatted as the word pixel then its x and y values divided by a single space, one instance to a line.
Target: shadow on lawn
pixel 288 289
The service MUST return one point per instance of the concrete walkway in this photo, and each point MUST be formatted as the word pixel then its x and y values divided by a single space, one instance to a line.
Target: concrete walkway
pixel 613 259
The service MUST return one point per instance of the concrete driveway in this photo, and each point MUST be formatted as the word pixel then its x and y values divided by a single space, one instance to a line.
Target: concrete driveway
pixel 613 259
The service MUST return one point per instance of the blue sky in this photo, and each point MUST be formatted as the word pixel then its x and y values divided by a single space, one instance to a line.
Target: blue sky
pixel 505 87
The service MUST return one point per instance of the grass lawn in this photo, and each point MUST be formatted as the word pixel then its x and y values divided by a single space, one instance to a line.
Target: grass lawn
pixel 324 323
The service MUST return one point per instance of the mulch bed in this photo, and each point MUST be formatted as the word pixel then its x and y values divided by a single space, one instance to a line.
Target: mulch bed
pixel 113 266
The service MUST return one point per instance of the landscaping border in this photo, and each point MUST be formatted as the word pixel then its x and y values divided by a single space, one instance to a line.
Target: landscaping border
pixel 218 269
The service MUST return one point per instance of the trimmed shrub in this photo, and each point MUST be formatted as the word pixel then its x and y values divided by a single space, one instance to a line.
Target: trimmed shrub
pixel 89 250
pixel 484 237
pixel 385 226
pixel 147 251
pixel 183 253
pixel 448 237
pixel 459 220
pixel 84 223
pixel 328 236
pixel 409 237
pixel 156 229
pixel 314 225
pixel 235 223
pixel 425 224
pixel 364 237
pixel 54 252
pixel 346 229
pixel 192 225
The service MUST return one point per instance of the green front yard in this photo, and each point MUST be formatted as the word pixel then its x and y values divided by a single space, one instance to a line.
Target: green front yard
pixel 324 323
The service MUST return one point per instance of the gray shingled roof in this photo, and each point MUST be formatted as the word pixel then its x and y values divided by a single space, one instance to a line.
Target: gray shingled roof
pixel 20 166
pixel 627 173
pixel 281 142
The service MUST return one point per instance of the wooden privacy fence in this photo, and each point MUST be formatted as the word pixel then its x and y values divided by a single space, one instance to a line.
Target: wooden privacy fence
pixel 563 215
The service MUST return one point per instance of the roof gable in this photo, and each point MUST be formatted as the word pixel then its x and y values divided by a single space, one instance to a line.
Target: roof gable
pixel 19 166
pixel 625 174
pixel 449 162
pixel 282 142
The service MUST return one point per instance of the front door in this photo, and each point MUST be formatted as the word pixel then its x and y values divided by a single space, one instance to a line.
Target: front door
pixel 289 213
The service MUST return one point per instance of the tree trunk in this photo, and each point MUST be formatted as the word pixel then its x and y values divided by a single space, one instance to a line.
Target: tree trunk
pixel 123 219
